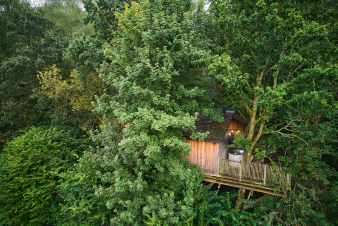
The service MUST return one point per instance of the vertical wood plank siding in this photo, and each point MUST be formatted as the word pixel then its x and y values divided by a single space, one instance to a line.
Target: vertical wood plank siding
pixel 205 155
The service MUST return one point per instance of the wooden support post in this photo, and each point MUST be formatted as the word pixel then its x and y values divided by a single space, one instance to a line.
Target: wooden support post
pixel 219 163
pixel 264 180
pixel 250 194
pixel 240 172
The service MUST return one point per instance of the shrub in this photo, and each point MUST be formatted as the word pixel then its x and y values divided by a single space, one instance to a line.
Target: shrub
pixel 30 172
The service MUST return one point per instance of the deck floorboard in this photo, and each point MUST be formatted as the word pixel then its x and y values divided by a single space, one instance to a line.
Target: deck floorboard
pixel 233 182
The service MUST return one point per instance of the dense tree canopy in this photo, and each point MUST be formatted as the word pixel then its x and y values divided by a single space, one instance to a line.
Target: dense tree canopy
pixel 139 77
pixel 153 106
pixel 265 49
pixel 263 46
pixel 31 168
pixel 67 15
pixel 29 43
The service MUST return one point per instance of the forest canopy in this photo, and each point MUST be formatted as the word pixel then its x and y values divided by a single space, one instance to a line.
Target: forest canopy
pixel 99 97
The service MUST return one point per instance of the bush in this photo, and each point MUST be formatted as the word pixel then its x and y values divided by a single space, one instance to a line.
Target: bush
pixel 30 172
pixel 217 208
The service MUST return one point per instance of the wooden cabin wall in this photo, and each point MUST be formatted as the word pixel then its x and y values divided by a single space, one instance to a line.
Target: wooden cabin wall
pixel 206 155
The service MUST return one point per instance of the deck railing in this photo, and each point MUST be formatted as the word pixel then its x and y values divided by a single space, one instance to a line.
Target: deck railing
pixel 255 172
pixel 210 157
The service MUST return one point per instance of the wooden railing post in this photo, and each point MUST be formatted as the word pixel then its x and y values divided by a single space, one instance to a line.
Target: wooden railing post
pixel 240 172
pixel 218 167
pixel 288 181
pixel 264 179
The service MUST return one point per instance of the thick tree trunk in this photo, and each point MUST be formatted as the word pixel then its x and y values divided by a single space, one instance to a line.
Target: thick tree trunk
pixel 252 123
pixel 251 136
pixel 240 198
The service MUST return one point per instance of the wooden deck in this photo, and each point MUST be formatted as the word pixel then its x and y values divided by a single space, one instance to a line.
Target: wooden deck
pixel 253 176
pixel 233 182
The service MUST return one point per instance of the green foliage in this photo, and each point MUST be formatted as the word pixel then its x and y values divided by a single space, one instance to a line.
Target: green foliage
pixel 30 172
pixel 216 208
pixel 28 44
pixel 157 66
pixel 82 203
pixel 68 101
pixel 312 131
pixel 86 54
pixel 143 178
pixel 276 61
pixel 102 14
pixel 301 207
pixel 273 40
pixel 68 16
pixel 240 142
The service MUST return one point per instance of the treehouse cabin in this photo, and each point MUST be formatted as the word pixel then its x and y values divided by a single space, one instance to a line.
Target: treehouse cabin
pixel 223 164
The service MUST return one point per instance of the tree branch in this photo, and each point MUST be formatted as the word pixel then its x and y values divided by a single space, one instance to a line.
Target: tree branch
pixel 295 70
pixel 249 156
pixel 252 124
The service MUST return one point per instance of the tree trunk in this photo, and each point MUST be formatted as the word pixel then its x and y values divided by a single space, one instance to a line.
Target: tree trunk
pixel 241 196
pixel 251 137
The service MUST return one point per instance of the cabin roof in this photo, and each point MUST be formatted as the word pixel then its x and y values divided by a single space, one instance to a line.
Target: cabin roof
pixel 216 130
pixel 232 115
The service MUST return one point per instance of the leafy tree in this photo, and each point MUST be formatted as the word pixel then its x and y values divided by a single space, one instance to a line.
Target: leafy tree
pixel 28 44
pixel 265 45
pixel 299 208
pixel 86 54
pixel 153 65
pixel 262 46
pixel 103 15
pixel 159 65
pixel 68 16
pixel 216 208
pixel 30 171
pixel 308 140
pixel 68 101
